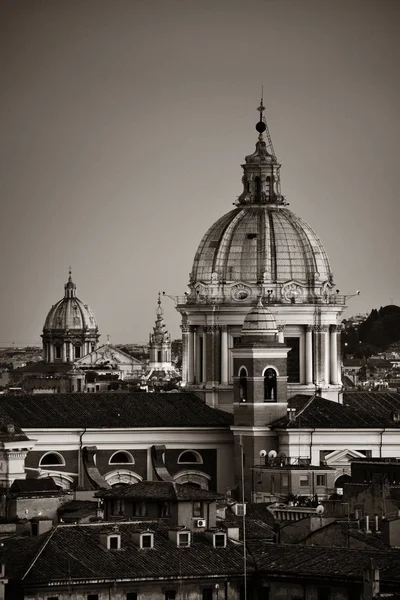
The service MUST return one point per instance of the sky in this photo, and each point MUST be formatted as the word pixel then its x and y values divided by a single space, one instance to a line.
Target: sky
pixel 124 124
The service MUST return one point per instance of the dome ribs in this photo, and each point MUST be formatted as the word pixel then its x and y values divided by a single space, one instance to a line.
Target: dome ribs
pixel 273 266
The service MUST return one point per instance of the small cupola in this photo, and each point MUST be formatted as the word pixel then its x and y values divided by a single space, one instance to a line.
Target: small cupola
pixel 181 536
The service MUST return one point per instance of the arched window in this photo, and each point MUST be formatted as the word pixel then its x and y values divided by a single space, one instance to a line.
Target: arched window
pixel 122 458
pixel 190 457
pixel 243 385
pixel 257 190
pixel 78 351
pixel 51 459
pixel 270 385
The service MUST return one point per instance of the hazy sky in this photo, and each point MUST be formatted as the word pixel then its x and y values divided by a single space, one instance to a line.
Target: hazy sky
pixel 124 124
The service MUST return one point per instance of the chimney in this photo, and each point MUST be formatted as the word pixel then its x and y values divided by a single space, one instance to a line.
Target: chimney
pixel 10 428
pixel 376 523
pixel 371 581
pixel 367 529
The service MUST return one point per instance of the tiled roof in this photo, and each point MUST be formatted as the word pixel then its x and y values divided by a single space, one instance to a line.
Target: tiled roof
pixel 9 432
pixel 359 410
pixel 44 368
pixel 72 552
pixel 160 491
pixel 110 410
pixel 31 486
pixel 259 522
pixel 77 509
pixel 336 563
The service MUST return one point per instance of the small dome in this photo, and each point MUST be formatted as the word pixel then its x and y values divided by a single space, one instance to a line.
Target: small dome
pixel 259 319
pixel 70 313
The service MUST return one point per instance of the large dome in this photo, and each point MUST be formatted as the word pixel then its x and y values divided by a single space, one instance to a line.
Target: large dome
pixel 70 313
pixel 260 246
pixel 266 243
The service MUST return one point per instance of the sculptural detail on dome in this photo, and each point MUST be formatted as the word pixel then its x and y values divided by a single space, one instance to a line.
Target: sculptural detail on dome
pixel 241 292
pixel 292 292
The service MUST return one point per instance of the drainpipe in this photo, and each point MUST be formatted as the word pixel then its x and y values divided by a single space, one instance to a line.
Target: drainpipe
pixel 80 458
pixel 380 445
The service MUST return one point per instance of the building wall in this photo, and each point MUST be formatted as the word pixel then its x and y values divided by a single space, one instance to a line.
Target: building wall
pixel 151 591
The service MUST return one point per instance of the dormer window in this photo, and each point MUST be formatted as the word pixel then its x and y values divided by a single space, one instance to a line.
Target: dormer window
pixel 111 541
pixel 114 542
pixel 219 540
pixel 147 540
pixel 183 539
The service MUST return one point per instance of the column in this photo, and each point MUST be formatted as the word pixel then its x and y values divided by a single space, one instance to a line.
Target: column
pixel 325 353
pixel 309 354
pixel 204 373
pixel 198 359
pixel 281 337
pixel 224 355
pixel 190 355
pixel 333 355
pixel 185 339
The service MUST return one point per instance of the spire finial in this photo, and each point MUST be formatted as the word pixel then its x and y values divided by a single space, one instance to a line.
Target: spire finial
pixel 261 126
pixel 69 273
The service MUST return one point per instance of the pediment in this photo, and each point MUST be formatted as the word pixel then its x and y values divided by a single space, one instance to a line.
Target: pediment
pixel 343 456
pixel 107 354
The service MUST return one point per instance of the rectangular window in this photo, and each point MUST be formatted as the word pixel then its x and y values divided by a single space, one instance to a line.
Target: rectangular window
pixel 92 597
pixel 183 540
pixel 219 540
pixel 113 542
pixel 131 596
pixel 321 480
pixel 304 481
pixel 197 509
pixel 284 480
pixel 77 351
pixel 293 359
pixel 147 541
pixel 139 509
pixel 165 509
pixel 58 351
pixel 170 595
pixel 207 593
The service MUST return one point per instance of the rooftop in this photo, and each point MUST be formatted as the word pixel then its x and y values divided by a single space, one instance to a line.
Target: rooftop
pixel 75 552
pixel 110 410
pixel 160 491
pixel 359 410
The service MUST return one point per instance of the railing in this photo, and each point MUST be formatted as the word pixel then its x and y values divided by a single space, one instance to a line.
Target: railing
pixel 334 299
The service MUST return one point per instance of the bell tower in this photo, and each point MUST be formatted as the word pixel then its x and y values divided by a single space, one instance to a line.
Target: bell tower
pixel 259 390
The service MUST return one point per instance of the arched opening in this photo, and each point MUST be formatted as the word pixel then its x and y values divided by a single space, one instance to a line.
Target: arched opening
pixel 51 459
pixel 62 481
pixel 270 385
pixel 257 182
pixel 121 477
pixel 194 478
pixel 339 483
pixel 243 385
pixel 190 457
pixel 122 458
